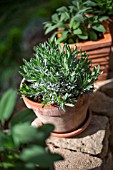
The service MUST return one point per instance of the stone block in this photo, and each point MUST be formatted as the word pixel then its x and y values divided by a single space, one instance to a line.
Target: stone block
pixel 108 162
pixel 94 140
pixel 101 104
pixel 76 160
pixel 108 88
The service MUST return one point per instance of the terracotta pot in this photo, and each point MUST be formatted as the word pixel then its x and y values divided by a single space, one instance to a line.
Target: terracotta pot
pixel 64 122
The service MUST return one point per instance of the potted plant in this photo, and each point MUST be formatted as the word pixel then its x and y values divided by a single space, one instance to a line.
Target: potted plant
pixel 22 146
pixel 103 8
pixel 56 85
pixel 77 24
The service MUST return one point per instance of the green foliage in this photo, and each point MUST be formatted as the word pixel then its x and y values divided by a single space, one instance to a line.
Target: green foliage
pixel 101 7
pixel 22 146
pixel 16 18
pixel 74 23
pixel 57 75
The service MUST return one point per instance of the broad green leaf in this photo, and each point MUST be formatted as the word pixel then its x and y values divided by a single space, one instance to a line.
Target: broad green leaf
pixel 79 18
pixel 49 29
pixel 77 31
pixel 23 133
pixel 46 128
pixel 6 141
pixel 37 155
pixel 7 104
pixel 90 3
pixel 43 132
pixel 62 9
pixel 93 35
pixel 83 11
pixel 63 37
pixel 99 27
pixel 103 18
pixel 64 17
pixel 55 17
pixel 74 24
pixel 23 116
pixel 71 41
pixel 84 37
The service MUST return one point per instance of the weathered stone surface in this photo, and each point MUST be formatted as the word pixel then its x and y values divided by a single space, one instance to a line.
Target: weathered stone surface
pixel 100 84
pixel 76 160
pixel 102 104
pixel 108 162
pixel 110 73
pixel 94 140
pixel 108 88
pixel 111 134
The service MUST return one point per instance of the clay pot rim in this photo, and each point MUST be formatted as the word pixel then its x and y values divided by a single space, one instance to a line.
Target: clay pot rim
pixel 36 104
pixel 107 37
pixel 39 105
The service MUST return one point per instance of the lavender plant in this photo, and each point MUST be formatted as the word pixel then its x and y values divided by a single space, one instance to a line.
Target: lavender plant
pixel 57 75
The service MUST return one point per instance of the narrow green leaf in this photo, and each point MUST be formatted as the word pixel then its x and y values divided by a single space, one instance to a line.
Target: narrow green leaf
pixel 69 104
pixel 53 36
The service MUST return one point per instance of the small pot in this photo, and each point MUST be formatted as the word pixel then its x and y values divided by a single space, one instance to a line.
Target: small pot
pixel 64 122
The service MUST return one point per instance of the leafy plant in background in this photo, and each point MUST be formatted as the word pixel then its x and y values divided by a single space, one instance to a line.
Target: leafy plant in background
pixel 22 146
pixel 57 75
pixel 75 24
pixel 101 7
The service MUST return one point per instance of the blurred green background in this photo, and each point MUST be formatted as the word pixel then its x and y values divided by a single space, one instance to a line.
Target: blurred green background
pixel 20 29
